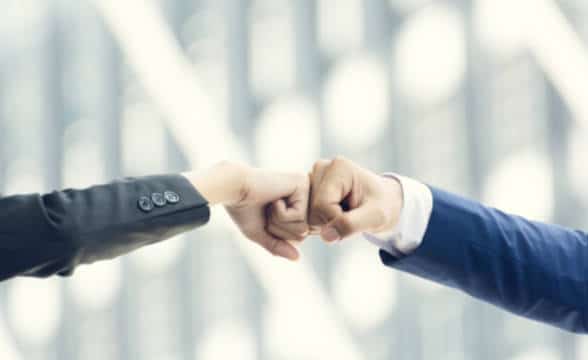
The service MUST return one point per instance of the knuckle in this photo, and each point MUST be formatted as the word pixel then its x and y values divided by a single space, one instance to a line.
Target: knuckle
pixel 346 227
pixel 318 165
pixel 340 160
pixel 317 216
pixel 278 217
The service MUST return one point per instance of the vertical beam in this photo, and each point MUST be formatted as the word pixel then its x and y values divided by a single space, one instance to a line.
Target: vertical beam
pixel 481 341
pixel 52 130
pixel 53 123
pixel 111 135
pixel 566 208
pixel 237 35
pixel 179 12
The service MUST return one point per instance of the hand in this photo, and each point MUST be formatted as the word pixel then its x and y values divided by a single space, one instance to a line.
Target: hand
pixel 259 202
pixel 346 199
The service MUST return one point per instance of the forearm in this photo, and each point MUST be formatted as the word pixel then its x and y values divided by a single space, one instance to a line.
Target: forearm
pixel 531 269
pixel 41 235
pixel 219 184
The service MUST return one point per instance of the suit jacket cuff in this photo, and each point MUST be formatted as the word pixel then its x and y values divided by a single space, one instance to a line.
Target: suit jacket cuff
pixel 435 259
pixel 109 220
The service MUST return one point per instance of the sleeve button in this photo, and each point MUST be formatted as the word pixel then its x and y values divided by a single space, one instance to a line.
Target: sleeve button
pixel 171 197
pixel 145 204
pixel 158 199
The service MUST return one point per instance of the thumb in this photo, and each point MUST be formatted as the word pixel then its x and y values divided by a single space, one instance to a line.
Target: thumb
pixel 279 247
pixel 364 218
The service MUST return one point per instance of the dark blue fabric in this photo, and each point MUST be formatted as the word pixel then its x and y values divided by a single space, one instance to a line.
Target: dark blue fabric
pixel 535 270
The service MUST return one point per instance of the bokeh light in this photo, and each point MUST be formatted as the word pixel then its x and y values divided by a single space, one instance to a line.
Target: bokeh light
pixel 577 150
pixel 96 287
pixel 340 25
pixel 7 347
pixel 365 292
pixel 522 184
pixel 429 55
pixel 82 150
pixel 288 135
pixel 357 101
pixel 502 25
pixel 23 176
pixel 228 339
pixel 538 353
pixel 144 139
pixel 34 308
pixel 159 257
pixel 273 60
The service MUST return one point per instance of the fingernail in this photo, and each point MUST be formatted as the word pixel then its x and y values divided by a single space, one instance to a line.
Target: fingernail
pixel 330 234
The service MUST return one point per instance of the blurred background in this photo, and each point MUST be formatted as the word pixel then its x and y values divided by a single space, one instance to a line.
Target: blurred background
pixel 486 98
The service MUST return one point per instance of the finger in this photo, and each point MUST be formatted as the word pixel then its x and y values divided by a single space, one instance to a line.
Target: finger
pixel 279 247
pixel 283 234
pixel 336 184
pixel 280 217
pixel 323 214
pixel 314 218
pixel 364 218
pixel 298 229
pixel 318 171
pixel 266 186
pixel 281 211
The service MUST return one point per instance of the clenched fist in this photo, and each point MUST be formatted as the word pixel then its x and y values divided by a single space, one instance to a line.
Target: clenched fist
pixel 346 199
pixel 269 208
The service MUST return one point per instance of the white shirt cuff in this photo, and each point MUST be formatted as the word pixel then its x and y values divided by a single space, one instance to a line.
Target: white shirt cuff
pixel 412 223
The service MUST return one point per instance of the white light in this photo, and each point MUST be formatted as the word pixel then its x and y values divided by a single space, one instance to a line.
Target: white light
pixel 577 150
pixel 430 59
pixel 582 347
pixel 167 76
pixel 21 17
pixel 357 101
pixel 340 25
pixel 295 334
pixel 96 286
pixel 363 289
pixel 522 184
pixel 538 354
pixel 273 58
pixel 81 150
pixel 296 298
pixel 561 53
pixel 7 348
pixel 143 139
pixel 23 176
pixel 35 309
pixel 160 256
pixel 426 286
pixel 502 24
pixel 288 135
pixel 229 339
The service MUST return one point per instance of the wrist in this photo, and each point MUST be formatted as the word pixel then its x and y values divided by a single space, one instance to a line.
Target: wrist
pixel 393 202
pixel 220 184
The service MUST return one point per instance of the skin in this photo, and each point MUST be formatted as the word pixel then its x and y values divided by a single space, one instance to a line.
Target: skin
pixel 347 199
pixel 270 208
pixel 277 210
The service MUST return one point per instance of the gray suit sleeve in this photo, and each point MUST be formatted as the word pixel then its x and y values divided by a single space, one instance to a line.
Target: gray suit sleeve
pixel 42 235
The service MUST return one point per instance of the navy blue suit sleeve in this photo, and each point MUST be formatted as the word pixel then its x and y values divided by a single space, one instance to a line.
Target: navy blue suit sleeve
pixel 535 270
pixel 42 235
